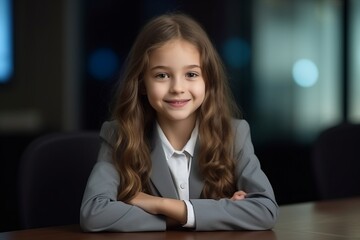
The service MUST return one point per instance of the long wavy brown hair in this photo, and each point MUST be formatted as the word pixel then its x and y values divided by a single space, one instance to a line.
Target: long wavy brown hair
pixel 136 117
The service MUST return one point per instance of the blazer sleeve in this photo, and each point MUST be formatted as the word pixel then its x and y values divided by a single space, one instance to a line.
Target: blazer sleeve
pixel 100 210
pixel 258 211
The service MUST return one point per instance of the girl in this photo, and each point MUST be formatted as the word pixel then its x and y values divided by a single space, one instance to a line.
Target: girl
pixel 174 156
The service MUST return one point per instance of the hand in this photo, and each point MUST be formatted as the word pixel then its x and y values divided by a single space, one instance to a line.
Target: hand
pixel 174 209
pixel 239 195
pixel 172 223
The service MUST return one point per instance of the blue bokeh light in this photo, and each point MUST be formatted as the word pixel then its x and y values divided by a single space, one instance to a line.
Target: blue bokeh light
pixel 236 52
pixel 103 63
pixel 305 72
pixel 6 48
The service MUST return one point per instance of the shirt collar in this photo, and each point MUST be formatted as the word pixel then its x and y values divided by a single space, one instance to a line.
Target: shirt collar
pixel 189 146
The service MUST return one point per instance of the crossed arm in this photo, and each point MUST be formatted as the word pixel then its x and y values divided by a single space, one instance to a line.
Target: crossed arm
pixel 175 210
pixel 255 210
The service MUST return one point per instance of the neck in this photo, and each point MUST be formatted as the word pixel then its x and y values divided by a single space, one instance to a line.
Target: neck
pixel 178 132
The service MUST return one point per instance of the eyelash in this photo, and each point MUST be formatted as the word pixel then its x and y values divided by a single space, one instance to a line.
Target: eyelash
pixel 165 75
pixel 194 75
pixel 162 75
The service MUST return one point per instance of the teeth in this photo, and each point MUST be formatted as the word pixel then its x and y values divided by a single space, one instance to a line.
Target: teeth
pixel 177 102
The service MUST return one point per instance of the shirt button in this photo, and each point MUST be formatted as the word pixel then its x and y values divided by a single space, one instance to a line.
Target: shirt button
pixel 182 185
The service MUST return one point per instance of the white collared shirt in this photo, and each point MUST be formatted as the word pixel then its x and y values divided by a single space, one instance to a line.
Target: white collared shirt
pixel 179 163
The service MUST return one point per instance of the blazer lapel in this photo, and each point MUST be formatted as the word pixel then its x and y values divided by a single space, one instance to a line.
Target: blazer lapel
pixel 195 180
pixel 160 175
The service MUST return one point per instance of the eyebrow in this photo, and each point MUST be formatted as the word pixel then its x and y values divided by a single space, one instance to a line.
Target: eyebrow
pixel 165 67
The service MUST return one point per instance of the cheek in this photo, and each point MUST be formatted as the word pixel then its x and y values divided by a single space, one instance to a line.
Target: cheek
pixel 199 90
pixel 154 93
pixel 152 99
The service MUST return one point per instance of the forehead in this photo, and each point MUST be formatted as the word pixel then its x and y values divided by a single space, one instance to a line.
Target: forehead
pixel 175 52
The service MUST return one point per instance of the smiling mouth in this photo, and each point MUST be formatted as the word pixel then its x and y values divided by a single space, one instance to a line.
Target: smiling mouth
pixel 177 103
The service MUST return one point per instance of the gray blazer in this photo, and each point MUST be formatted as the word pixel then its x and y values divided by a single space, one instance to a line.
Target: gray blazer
pixel 100 210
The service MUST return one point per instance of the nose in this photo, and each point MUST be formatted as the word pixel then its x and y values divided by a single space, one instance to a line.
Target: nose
pixel 177 85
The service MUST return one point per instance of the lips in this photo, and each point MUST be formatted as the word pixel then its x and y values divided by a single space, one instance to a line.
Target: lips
pixel 177 102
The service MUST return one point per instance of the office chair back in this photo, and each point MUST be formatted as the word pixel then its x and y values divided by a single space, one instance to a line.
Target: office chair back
pixel 53 173
pixel 336 159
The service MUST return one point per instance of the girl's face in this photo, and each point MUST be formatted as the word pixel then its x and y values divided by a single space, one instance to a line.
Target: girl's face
pixel 174 83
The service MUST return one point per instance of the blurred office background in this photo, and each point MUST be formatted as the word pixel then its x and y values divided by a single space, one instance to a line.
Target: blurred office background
pixel 294 68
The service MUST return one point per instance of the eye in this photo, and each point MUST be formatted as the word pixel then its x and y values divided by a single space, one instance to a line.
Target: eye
pixel 192 75
pixel 162 76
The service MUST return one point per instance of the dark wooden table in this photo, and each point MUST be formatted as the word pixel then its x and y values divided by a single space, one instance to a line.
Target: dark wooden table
pixel 336 219
pixel 330 220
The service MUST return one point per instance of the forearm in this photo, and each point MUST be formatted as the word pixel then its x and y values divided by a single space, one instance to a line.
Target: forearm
pixel 258 213
pixel 171 208
pixel 116 216
pixel 174 209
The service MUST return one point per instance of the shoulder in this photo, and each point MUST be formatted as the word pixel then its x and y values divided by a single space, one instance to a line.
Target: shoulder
pixel 241 127
pixel 109 132
pixel 242 135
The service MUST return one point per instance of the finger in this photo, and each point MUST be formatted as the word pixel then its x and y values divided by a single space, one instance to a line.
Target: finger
pixel 239 197
pixel 240 193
